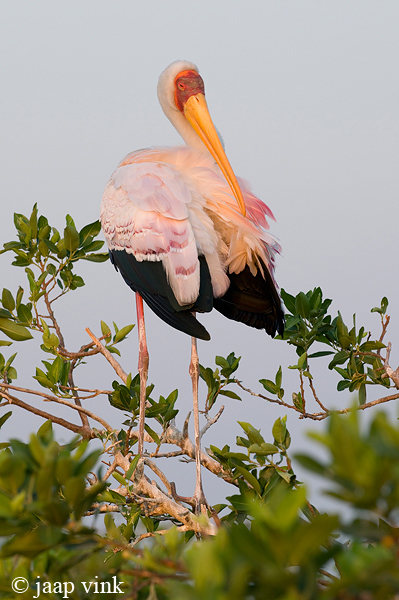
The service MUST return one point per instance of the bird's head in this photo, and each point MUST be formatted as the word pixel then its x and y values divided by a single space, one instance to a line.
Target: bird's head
pixel 181 89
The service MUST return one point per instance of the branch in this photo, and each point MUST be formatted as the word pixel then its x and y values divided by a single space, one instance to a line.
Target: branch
pixel 163 503
pixel 85 432
pixel 114 363
pixel 319 416
pixel 173 436
pixel 158 472
pixel 143 536
pixel 50 398
pixel 53 319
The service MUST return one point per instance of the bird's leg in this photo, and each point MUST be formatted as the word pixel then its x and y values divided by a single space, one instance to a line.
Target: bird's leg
pixel 143 369
pixel 199 497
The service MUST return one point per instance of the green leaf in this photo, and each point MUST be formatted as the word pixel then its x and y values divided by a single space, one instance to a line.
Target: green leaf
pixel 51 246
pixel 19 295
pixel 99 258
pixel 105 330
pixel 302 305
pixel 122 333
pixel 113 350
pixel 311 464
pixel 14 331
pixel 34 542
pixel 302 361
pixel 44 381
pixel 319 354
pixel 93 246
pixel 297 401
pixel 253 434
pixel 264 449
pixel 7 300
pixel 74 490
pixel 384 305
pixel 70 221
pixel 132 467
pixel 71 237
pixel 119 478
pixel 279 430
pixel 362 394
pixel 24 314
pixel 342 385
pixel 153 434
pixel 342 333
pixel 289 301
pixel 230 394
pixel 11 373
pixel 221 362
pixel 5 417
pixel 43 248
pixel 372 345
pixel 251 479
pixel 339 359
pixel 279 377
pixel 33 222
pixel 88 232
pixel 269 386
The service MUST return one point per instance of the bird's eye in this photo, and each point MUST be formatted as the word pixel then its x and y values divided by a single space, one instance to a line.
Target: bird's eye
pixel 181 86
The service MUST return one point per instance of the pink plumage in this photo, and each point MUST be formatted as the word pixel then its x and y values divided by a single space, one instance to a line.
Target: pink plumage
pixel 175 205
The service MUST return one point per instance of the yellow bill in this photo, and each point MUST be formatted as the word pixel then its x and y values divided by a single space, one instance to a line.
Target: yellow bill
pixel 197 114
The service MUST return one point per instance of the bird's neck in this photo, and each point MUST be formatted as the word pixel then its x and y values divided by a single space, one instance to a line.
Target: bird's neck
pixel 184 128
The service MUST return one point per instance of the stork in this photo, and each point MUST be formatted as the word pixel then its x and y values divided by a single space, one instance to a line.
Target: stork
pixel 188 236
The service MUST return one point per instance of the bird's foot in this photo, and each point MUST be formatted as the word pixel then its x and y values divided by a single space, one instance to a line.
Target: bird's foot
pixel 197 501
pixel 201 506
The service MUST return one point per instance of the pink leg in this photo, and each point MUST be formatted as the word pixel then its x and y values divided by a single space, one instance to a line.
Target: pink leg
pixel 143 369
pixel 199 497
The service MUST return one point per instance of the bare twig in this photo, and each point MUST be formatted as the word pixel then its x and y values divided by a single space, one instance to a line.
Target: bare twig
pixel 394 375
pixel 315 396
pixel 107 354
pixel 80 354
pixel 158 472
pixel 102 508
pixel 93 393
pixel 274 400
pixel 384 329
pixel 302 391
pixel 166 454
pixel 143 536
pixel 210 422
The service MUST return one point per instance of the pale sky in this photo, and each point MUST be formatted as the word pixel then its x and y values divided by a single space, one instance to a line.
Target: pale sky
pixel 306 96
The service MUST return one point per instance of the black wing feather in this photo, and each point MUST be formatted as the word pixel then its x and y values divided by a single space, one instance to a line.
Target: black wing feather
pixel 253 301
pixel 150 281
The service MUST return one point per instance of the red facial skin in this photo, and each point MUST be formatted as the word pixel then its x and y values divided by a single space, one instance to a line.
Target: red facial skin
pixel 187 84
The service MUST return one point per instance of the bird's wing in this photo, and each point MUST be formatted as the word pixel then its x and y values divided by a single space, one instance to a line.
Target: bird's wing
pixel 144 213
